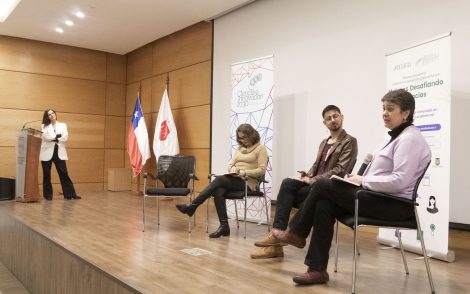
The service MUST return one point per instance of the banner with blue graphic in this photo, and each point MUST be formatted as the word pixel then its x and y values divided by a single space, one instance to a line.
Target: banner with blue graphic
pixel 425 71
pixel 252 103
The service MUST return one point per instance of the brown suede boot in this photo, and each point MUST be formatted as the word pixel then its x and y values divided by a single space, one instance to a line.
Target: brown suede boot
pixel 269 240
pixel 268 252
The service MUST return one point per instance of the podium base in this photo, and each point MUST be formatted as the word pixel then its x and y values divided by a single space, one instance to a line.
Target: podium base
pixel 28 200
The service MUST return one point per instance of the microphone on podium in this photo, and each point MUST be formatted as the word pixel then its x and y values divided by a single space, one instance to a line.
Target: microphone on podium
pixel 29 122
pixel 364 165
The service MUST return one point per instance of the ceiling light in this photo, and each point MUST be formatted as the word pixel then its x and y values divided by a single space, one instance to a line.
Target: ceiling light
pixel 69 23
pixel 6 7
pixel 59 30
pixel 80 14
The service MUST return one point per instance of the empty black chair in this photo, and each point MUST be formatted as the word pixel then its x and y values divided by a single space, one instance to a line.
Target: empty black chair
pixel 177 173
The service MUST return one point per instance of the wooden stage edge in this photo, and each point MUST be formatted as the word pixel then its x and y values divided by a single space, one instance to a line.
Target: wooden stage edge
pixel 96 245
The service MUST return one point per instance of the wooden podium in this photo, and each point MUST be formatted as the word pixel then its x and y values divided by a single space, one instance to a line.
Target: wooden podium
pixel 27 163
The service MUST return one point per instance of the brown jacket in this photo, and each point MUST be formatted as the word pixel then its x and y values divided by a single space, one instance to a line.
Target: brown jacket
pixel 340 159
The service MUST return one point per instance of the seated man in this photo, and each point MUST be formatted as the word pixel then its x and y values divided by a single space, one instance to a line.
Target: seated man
pixel 336 156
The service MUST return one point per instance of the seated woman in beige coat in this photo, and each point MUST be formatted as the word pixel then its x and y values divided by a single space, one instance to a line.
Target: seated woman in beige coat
pixel 250 160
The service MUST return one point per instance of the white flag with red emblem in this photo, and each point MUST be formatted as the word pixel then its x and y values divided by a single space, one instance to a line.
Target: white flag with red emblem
pixel 165 140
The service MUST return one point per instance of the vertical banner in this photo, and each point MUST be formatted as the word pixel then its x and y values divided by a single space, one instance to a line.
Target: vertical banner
pixel 424 70
pixel 252 103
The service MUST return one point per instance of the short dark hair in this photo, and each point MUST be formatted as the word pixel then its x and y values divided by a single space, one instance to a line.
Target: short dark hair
pixel 249 132
pixel 404 100
pixel 45 118
pixel 328 108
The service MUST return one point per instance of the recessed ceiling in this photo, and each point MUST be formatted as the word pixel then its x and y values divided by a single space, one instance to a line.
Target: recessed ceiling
pixel 116 26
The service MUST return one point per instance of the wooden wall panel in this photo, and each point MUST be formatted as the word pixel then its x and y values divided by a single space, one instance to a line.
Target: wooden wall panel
pixel 190 86
pixel 52 59
pixel 145 96
pixel 85 131
pixel 115 99
pixel 114 158
pixel 139 64
pixel 8 162
pixel 116 68
pixel 11 121
pixel 32 91
pixel 158 86
pixel 186 47
pixel 193 126
pixel 115 132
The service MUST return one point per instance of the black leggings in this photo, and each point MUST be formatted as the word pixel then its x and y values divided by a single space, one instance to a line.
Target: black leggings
pixel 219 186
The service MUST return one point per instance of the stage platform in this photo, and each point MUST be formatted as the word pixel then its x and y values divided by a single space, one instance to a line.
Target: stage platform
pixel 96 245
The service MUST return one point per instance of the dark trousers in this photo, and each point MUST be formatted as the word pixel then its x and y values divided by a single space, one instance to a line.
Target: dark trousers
pixel 65 181
pixel 326 201
pixel 292 193
pixel 217 188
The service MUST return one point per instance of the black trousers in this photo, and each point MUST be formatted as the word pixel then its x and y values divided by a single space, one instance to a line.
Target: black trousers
pixel 326 201
pixel 217 188
pixel 65 181
pixel 292 193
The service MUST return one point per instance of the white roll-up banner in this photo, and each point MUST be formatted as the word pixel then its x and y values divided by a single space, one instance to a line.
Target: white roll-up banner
pixel 252 103
pixel 425 71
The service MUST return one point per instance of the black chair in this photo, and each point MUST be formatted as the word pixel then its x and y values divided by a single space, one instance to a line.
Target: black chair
pixel 176 173
pixel 244 195
pixel 354 221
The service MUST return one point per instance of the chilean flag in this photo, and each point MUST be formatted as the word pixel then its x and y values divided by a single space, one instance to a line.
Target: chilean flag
pixel 138 140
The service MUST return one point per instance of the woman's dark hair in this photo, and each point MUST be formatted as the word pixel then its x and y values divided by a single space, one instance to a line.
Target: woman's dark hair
pixel 249 132
pixel 328 108
pixel 429 201
pixel 404 100
pixel 45 118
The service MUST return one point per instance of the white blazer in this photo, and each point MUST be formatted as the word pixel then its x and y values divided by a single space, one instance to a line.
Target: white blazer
pixel 47 145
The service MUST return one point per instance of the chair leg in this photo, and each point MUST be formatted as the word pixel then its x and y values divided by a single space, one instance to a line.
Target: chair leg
pixel 207 215
pixel 244 220
pixel 355 232
pixel 143 215
pixel 267 214
pixel 402 251
pixel 336 247
pixel 236 212
pixel 425 254
pixel 158 211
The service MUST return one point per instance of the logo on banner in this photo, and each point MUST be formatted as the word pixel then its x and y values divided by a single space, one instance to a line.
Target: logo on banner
pixel 251 96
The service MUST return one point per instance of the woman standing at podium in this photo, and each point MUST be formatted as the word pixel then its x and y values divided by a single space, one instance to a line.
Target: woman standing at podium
pixel 54 136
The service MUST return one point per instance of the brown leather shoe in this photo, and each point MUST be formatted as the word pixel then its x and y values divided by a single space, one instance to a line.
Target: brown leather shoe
pixel 289 237
pixel 268 252
pixel 312 277
pixel 269 240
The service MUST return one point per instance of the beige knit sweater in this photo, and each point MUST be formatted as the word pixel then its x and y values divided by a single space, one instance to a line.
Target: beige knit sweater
pixel 252 160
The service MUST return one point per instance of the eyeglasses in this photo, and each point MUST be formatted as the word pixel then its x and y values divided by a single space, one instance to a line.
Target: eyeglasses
pixel 332 117
pixel 49 114
pixel 242 138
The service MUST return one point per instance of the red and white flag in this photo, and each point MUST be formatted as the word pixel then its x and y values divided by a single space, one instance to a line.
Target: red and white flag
pixel 165 140
pixel 138 140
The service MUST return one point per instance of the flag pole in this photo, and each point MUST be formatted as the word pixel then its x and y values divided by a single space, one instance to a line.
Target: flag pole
pixel 138 192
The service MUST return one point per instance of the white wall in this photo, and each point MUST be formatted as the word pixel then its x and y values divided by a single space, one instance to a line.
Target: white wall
pixel 333 52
